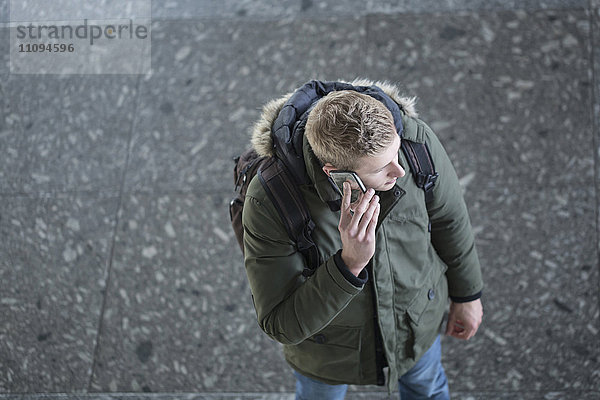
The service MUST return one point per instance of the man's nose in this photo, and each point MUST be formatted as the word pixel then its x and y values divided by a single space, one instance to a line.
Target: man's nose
pixel 399 172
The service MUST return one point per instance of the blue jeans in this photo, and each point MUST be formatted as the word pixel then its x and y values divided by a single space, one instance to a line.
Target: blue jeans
pixel 426 380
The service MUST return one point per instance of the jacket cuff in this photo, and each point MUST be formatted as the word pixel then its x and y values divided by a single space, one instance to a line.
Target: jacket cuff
pixel 466 299
pixel 357 281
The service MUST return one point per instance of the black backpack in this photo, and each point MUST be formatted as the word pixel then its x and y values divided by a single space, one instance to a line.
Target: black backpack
pixel 286 198
pixel 281 175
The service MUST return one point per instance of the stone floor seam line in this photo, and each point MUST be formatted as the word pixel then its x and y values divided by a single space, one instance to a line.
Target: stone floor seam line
pixel 595 126
pixel 114 237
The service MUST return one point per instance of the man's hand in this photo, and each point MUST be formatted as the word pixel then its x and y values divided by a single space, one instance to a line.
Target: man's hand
pixel 464 319
pixel 357 229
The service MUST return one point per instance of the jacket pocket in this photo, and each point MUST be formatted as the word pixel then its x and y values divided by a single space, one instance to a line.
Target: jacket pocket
pixel 426 313
pixel 408 247
pixel 333 354
pixel 428 300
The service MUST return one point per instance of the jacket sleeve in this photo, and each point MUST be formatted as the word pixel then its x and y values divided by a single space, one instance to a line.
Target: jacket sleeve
pixel 289 307
pixel 451 232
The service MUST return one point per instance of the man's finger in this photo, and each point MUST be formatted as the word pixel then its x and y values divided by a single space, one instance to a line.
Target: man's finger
pixel 450 327
pixel 467 334
pixel 471 331
pixel 346 214
pixel 461 331
pixel 454 327
pixel 347 195
pixel 451 323
pixel 458 332
pixel 368 215
pixel 361 208
pixel 373 222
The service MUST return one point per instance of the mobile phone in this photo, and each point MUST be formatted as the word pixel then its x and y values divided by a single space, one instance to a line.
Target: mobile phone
pixel 339 177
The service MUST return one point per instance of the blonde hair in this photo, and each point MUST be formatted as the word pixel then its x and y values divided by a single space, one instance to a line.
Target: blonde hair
pixel 346 125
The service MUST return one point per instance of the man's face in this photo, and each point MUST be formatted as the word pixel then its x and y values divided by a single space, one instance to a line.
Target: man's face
pixel 380 171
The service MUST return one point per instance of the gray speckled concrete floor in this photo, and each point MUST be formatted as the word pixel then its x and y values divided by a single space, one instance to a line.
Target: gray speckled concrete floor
pixel 121 279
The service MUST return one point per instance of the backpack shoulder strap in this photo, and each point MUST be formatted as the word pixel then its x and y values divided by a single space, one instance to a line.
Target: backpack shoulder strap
pixel 289 202
pixel 421 165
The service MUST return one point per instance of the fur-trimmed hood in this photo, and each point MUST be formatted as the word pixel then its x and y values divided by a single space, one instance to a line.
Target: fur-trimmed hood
pixel 261 131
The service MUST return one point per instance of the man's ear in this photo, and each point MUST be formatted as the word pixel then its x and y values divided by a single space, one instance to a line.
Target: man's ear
pixel 327 168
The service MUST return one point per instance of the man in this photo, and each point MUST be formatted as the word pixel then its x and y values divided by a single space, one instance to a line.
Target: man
pixel 389 262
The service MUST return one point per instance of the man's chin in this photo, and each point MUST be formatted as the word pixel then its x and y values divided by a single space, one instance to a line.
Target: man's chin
pixel 387 186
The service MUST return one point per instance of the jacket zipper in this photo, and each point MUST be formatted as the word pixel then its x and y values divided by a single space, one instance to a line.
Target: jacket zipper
pixel 380 358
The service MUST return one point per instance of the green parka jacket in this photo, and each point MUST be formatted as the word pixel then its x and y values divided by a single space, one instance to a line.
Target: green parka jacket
pixel 330 327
